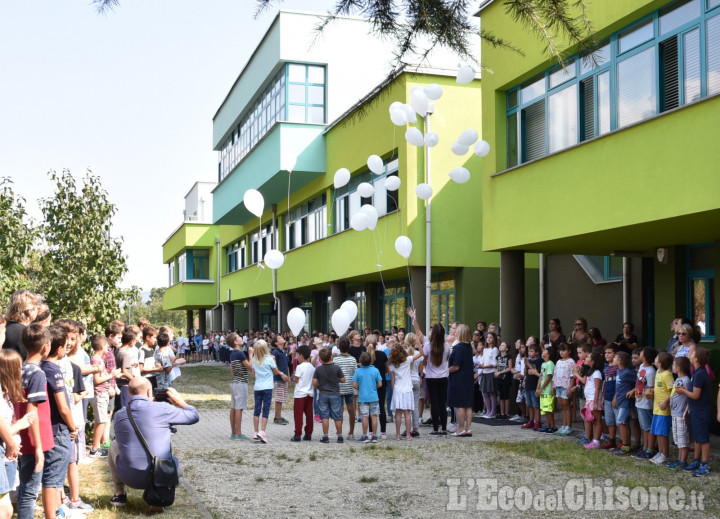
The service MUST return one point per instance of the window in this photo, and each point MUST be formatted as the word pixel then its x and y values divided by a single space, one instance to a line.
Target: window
pixel 701 288
pixel 348 201
pixel 632 76
pixel 182 268
pixel 236 256
pixel 306 223
pixel 442 299
pixel 358 297
pixel 171 273
pixel 395 301
pixel 194 264
pixel 261 243
pixel 306 93
pixel 609 267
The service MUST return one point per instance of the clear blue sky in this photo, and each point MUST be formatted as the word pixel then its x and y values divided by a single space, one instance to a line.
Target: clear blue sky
pixel 130 95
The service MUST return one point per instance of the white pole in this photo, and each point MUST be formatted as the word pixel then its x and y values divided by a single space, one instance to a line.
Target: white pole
pixel 428 228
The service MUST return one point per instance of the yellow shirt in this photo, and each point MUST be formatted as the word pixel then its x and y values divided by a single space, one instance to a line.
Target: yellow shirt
pixel 663 386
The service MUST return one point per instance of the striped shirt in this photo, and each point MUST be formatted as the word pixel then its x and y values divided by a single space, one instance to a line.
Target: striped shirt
pixel 348 365
pixel 239 372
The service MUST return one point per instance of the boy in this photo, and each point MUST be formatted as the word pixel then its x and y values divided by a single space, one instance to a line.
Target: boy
pixel 126 358
pixel 113 333
pixel 326 380
pixel 162 357
pixel 545 391
pixel 281 387
pixel 146 356
pixel 624 392
pixel 240 370
pixel 699 393
pixel 678 412
pixel 303 403
pixel 367 380
pixel 661 422
pixel 64 429
pixel 636 431
pixel 101 402
pixel 348 365
pixel 644 400
pixel 533 366
pixel 609 375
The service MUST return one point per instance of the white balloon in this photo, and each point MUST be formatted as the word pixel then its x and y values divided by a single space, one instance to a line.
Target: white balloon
pixel 372 215
pixel 482 148
pixel 414 137
pixel 397 116
pixel 403 246
pixel 468 137
pixel 359 221
pixel 366 190
pixel 274 259
pixel 419 101
pixel 350 308
pixel 433 91
pixel 459 149
pixel 342 177
pixel 410 114
pixel 340 321
pixel 375 164
pixel 394 106
pixel 423 191
pixel 254 202
pixel 465 75
pixel 460 175
pixel 392 183
pixel 431 139
pixel 296 320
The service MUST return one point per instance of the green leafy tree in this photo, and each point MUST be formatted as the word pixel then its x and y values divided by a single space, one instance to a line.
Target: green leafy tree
pixel 153 311
pixel 82 263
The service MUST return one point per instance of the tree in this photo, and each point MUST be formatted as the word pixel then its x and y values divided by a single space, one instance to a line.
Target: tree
pixel 154 312
pixel 447 23
pixel 82 263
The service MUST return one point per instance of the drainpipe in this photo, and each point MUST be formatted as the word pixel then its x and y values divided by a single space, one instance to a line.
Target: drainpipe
pixel 428 227
pixel 217 284
pixel 274 245
pixel 541 293
pixel 626 289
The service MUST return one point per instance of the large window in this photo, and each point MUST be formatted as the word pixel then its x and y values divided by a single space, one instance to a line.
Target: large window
pixel 236 255
pixel 665 60
pixel 261 242
pixel 348 201
pixel 701 288
pixel 194 264
pixel 296 93
pixel 171 273
pixel 306 223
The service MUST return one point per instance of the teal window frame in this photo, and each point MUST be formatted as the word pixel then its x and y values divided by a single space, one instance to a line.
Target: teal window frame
pixel 359 298
pixel 391 294
pixel 447 317
pixel 197 264
pixel 236 256
pixel 310 215
pixel 708 276
pixel 515 105
pixel 307 84
pixel 266 239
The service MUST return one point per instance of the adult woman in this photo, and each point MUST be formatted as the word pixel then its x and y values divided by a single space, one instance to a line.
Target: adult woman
pixel 685 341
pixel 460 380
pixel 21 311
pixel 436 353
pixel 580 334
pixel 626 339
pixel 596 338
pixel 555 334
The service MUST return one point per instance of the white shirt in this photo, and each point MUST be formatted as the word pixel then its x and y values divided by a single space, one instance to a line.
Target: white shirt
pixel 403 382
pixel 489 358
pixel 304 373
pixel 590 385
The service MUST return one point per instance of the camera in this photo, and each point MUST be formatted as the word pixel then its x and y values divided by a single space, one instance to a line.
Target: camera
pixel 161 395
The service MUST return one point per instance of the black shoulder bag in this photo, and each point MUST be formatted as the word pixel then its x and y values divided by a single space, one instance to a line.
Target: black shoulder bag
pixel 163 477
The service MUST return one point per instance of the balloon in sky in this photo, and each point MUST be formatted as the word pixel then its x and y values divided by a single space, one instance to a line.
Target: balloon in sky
pixel 414 137
pixel 359 221
pixel 351 309
pixel 366 190
pixel 254 202
pixel 482 148
pixel 340 321
pixel 397 116
pixel 375 164
pixel 403 246
pixel 431 139
pixel 468 137
pixel 460 175
pixel 392 183
pixel 419 101
pixel 433 91
pixel 423 191
pixel 296 320
pixel 342 177
pixel 459 149
pixel 465 75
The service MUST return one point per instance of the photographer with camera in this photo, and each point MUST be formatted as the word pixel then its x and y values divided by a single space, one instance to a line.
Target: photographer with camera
pixel 129 461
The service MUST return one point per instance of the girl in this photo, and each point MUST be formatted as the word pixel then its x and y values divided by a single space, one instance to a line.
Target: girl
pixel 263 369
pixel 591 411
pixel 379 359
pixel 11 379
pixel 477 397
pixel 412 348
pixel 402 399
pixel 503 376
pixel 562 380
pixel 518 372
pixel 488 364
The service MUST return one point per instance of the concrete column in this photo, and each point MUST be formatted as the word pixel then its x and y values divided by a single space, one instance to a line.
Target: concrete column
pixel 202 324
pixel 417 286
pixel 316 315
pixel 189 323
pixel 337 296
pixel 286 303
pixel 512 295
pixel 216 324
pixel 254 313
pixel 228 322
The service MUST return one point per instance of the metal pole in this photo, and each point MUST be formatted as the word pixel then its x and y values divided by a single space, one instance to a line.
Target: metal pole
pixel 274 244
pixel 626 288
pixel 428 227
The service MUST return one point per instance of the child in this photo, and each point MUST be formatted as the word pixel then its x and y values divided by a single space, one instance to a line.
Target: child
pixel 127 360
pixel 146 356
pixel 644 400
pixel 264 367
pixel 591 412
pixel 678 412
pixel 577 390
pixel 622 403
pixel 562 381
pixel 367 380
pixel 163 358
pixel 281 387
pixel 303 395
pixel 113 333
pixel 533 365
pixel 610 412
pixel 699 393
pixel 662 422
pixel 637 431
pixel 518 372
pixel 415 369
pixel 401 382
pixel 326 380
pixel 488 366
pixel 545 391
pixel 101 402
pixel 503 375
pixel 240 370
pixel 348 365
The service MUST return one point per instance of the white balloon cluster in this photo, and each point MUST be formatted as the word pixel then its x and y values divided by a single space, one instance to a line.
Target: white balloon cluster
pixel 343 317
pixel 402 114
pixel 365 218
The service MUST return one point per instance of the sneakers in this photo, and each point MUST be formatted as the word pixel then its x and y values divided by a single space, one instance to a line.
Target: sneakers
pixel 542 429
pixel 592 445
pixel 100 453
pixel 295 438
pixel 622 451
pixel 119 499
pixel 325 439
pixel 703 470
pixel 452 427
pixel 263 437
pixel 317 418
pixel 676 465
pixel 608 445
pixel 551 430
pixel 383 436
pixel 373 439
pixel 644 455
pixel 280 421
pixel 517 418
pixel 583 442
pixel 537 427
pixel 307 438
pixel 434 433
pixel 695 465
pixel 80 505
pixel 565 430
pixel 340 439
pixel 415 433
pixel 350 437
pixel 426 423
pixel 658 459
pixel 363 439
pixel 528 425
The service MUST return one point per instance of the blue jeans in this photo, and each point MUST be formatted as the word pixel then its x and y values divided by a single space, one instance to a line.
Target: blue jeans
pixel 29 486
pixel 4 479
pixel 330 407
pixel 263 398
pixel 316 405
pixel 388 398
